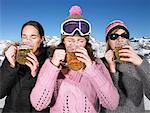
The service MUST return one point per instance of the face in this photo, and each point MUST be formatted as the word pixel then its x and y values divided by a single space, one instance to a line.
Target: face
pixel 120 38
pixel 31 33
pixel 74 42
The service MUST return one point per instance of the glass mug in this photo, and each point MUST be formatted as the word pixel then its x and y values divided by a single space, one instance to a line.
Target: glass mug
pixel 72 61
pixel 23 49
pixel 118 46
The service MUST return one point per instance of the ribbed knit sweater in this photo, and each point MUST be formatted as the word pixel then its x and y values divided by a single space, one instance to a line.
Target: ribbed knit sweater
pixel 76 92
pixel 132 82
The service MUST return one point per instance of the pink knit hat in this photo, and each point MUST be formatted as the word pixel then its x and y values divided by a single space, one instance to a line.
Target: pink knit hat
pixel 113 25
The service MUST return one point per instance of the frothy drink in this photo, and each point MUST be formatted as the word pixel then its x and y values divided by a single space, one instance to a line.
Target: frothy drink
pixel 23 49
pixel 118 47
pixel 22 54
pixel 73 62
pixel 117 53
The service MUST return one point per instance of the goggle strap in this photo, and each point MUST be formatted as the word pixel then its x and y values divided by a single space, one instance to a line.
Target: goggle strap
pixel 80 25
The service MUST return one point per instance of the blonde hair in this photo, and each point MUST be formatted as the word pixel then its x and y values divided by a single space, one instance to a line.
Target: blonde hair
pixel 108 46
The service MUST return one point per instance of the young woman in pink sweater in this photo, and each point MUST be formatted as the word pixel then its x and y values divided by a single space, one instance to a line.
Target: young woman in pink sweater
pixel 71 89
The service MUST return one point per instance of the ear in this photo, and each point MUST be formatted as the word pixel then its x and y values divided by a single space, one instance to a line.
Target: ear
pixel 42 39
pixel 63 41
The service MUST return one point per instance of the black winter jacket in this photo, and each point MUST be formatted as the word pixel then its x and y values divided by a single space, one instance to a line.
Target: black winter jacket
pixel 17 83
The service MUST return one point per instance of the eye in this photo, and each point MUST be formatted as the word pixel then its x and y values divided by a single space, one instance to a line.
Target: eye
pixel 124 35
pixel 34 36
pixel 69 40
pixel 24 37
pixel 81 41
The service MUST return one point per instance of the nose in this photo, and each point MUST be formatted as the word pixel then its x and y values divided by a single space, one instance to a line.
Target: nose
pixel 120 39
pixel 76 45
pixel 28 37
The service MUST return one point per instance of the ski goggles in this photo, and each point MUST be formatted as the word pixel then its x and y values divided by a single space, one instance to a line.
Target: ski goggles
pixel 69 27
pixel 115 36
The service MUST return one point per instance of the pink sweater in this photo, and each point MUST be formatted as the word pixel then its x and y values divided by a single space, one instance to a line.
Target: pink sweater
pixel 77 92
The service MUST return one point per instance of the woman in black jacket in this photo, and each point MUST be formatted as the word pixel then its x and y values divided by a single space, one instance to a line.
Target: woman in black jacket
pixel 16 80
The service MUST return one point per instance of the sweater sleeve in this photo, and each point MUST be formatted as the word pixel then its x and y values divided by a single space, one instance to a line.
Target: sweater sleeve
pixel 42 92
pixel 120 87
pixel 7 78
pixel 131 83
pixel 102 82
pixel 144 73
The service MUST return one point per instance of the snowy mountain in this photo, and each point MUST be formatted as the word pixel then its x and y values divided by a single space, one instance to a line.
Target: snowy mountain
pixel 141 45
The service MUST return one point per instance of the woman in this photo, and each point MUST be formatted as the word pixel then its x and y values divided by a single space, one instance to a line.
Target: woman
pixel 16 81
pixel 74 91
pixel 130 74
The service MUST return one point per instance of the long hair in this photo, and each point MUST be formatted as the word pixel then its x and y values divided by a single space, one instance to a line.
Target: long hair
pixel 107 42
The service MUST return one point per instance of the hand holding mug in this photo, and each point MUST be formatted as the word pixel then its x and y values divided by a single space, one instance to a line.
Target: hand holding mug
pixel 33 63
pixel 82 55
pixel 58 56
pixel 10 54
pixel 128 54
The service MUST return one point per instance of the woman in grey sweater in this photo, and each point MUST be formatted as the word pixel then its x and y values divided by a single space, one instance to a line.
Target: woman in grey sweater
pixel 130 72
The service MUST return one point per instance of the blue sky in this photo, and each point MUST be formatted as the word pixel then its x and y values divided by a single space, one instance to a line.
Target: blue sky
pixel 51 13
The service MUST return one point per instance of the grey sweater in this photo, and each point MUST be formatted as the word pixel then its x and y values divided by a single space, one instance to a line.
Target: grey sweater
pixel 132 83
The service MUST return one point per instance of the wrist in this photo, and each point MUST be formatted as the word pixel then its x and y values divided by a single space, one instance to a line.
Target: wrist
pixel 55 63
pixel 112 68
pixel 139 62
pixel 33 74
pixel 88 64
pixel 12 65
